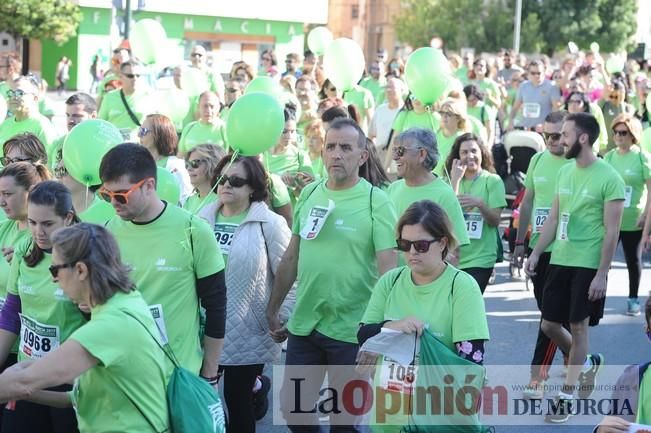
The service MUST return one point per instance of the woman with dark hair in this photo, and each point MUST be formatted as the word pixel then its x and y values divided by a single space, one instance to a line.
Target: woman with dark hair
pixel 395 68
pixel 24 147
pixel 158 135
pixel 269 64
pixel 427 293
pixel 253 240
pixel 479 76
pixel 482 198
pixel 579 102
pixel 127 377
pixel 328 90
pixel 36 312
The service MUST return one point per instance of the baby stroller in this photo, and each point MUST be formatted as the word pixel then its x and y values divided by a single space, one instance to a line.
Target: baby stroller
pixel 520 147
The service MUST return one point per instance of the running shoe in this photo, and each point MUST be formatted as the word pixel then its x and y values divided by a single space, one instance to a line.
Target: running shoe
pixel 588 379
pixel 559 411
pixel 261 398
pixel 633 307
pixel 535 390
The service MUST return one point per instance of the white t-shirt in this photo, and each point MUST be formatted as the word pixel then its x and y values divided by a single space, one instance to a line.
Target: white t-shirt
pixel 382 123
pixel 176 166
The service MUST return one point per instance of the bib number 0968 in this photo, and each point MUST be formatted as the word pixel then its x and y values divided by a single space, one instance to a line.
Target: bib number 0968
pixel 41 344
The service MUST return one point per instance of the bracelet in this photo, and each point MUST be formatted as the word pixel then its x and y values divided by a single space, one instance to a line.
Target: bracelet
pixel 518 243
pixel 212 380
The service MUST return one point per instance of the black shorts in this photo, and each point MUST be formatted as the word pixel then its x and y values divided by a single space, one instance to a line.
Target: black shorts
pixel 565 296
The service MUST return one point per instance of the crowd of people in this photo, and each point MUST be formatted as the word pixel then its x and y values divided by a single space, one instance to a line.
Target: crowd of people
pixel 373 210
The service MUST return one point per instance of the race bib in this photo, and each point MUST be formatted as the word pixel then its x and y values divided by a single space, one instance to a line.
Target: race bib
pixel 628 193
pixel 474 224
pixel 224 233
pixel 315 220
pixel 562 227
pixel 396 377
pixel 126 133
pixel 37 339
pixel 157 313
pixel 540 216
pixel 531 110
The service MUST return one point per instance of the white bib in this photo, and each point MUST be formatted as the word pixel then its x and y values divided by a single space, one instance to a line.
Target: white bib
pixel 37 339
pixel 396 377
pixel 157 313
pixel 224 233
pixel 540 216
pixel 531 110
pixel 315 220
pixel 564 221
pixel 628 193
pixel 474 224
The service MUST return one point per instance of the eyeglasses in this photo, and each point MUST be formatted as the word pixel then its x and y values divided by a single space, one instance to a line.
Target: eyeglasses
pixel 196 55
pixel 5 160
pixel 332 89
pixel 266 59
pixel 535 73
pixel 120 197
pixel 142 131
pixel 60 171
pixel 54 269
pixel 399 151
pixel 131 76
pixel 447 114
pixel 575 101
pixel 17 93
pixel 554 136
pixel 194 163
pixel 421 246
pixel 232 89
pixel 621 132
pixel 234 181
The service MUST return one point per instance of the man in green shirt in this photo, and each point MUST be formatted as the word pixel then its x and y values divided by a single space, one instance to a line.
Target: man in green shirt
pixel 583 225
pixel 375 82
pixel 198 58
pixel 342 241
pixel 534 209
pixel 175 260
pixel 120 55
pixel 416 154
pixel 126 107
pixel 23 103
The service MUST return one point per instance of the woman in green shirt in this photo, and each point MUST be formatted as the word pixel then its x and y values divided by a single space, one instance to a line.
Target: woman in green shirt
pixel 201 163
pixel 208 129
pixel 454 122
pixel 482 198
pixel 119 386
pixel 37 312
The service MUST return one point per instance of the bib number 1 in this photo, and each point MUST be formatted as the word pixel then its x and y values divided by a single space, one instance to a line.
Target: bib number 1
pixel 315 220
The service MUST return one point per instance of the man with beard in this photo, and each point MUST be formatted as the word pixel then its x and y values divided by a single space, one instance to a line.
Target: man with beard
pixel 535 207
pixel 583 225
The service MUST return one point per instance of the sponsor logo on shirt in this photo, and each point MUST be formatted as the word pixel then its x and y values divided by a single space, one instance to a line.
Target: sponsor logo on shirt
pixel 25 289
pixel 59 295
pixel 160 266
pixel 564 191
pixel 586 194
pixel 540 179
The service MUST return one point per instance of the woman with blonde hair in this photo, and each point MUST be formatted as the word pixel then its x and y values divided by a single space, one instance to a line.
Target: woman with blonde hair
pixel 454 122
pixel 201 163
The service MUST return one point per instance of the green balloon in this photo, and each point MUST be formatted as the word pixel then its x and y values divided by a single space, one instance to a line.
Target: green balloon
pixel 428 75
pixel 194 81
pixel 318 40
pixel 343 63
pixel 173 103
pixel 148 41
pixel 85 146
pixel 263 84
pixel 615 64
pixel 255 123
pixel 167 187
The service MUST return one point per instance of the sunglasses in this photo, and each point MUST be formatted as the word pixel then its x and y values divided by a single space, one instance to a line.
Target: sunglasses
pixel 447 114
pixel 232 89
pixel 555 136
pixel 5 160
pixel 620 132
pixel 17 93
pixel 535 73
pixel 421 246
pixel 575 101
pixel 54 269
pixel 332 89
pixel 194 163
pixel 120 197
pixel 131 76
pixel 196 55
pixel 234 181
pixel 60 171
pixel 399 151
pixel 142 131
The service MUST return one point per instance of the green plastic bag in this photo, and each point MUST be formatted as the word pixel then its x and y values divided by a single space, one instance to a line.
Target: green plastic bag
pixel 447 391
pixel 194 405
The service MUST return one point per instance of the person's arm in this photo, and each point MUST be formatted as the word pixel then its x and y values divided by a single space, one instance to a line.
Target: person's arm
pixel 386 260
pixel 285 278
pixel 9 325
pixel 545 239
pixel 613 424
pixel 526 206
pixel 285 211
pixel 61 366
pixel 492 216
pixel 612 220
pixel 211 291
pixel 514 110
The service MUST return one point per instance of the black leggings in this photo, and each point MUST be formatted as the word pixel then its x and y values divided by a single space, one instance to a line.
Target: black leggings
pixel 481 275
pixel 633 254
pixel 238 394
pixel 28 417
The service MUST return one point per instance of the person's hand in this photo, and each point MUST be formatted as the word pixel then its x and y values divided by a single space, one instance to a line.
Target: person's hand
pixel 366 362
pixel 468 201
pixel 408 325
pixel 640 221
pixel 646 243
pixel 303 178
pixel 289 179
pixel 532 264
pixel 458 170
pixel 277 330
pixel 8 253
pixel 613 424
pixel 518 256
pixel 597 288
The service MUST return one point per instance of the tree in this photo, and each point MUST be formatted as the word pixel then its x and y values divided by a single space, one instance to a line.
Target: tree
pixel 57 20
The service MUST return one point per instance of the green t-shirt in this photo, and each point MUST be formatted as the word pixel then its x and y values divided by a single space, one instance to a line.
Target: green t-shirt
pixel 644 402
pixel 462 75
pixel 542 175
pixel 478 128
pixel 376 87
pixel 167 256
pixel 225 230
pixel 410 119
pixel 290 161
pixel 482 112
pixel 38 125
pixel 113 110
pixel 337 268
pixel 582 195
pixel 319 169
pixel 48 316
pixel 438 191
pixel 635 169
pixel 130 364
pixel 361 98
pixel 489 88
pixel 194 203
pixel 452 316
pixel 444 144
pixel 197 133
pixel 279 192
pixel 99 212
pixel 109 76
pixel 481 252
pixel 10 236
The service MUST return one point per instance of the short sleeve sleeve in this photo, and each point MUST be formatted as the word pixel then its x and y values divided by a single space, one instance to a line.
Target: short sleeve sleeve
pixel 384 220
pixel 279 192
pixel 496 192
pixel 528 180
pixel 377 303
pixel 468 310
pixel 95 335
pixel 646 165
pixel 614 188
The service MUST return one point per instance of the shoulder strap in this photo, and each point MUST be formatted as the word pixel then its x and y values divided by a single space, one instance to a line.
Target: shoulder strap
pixel 641 370
pixel 133 117
pixel 167 350
pixel 395 280
pixel 453 280
pixel 370 199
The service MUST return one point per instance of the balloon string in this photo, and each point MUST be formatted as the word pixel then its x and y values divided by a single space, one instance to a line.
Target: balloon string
pixel 86 197
pixel 214 187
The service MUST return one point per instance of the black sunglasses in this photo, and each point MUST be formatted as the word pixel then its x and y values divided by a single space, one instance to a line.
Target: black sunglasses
pixel 5 160
pixel 234 181
pixel 54 269
pixel 553 136
pixel 196 55
pixel 194 163
pixel 620 132
pixel 131 76
pixel 421 246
